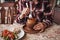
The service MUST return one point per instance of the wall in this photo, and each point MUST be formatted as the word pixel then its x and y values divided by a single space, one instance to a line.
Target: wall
pixel 3 1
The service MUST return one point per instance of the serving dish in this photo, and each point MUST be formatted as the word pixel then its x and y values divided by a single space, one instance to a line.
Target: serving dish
pixel 11 28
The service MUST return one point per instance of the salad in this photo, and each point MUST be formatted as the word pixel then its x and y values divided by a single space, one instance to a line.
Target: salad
pixel 8 35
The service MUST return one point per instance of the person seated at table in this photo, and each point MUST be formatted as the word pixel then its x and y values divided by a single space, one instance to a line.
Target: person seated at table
pixel 37 10
pixel 43 21
pixel 48 11
pixel 24 7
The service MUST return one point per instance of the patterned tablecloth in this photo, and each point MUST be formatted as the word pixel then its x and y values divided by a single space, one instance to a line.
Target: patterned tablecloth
pixel 51 33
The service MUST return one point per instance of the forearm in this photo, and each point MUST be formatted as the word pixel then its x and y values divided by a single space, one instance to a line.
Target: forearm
pixel 50 13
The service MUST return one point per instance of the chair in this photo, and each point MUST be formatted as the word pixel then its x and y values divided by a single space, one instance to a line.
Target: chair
pixel 7 12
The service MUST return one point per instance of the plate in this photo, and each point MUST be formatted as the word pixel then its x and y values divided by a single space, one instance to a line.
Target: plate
pixel 19 26
pixel 21 34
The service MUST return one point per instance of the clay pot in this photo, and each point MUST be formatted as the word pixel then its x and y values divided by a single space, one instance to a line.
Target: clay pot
pixel 28 28
pixel 31 22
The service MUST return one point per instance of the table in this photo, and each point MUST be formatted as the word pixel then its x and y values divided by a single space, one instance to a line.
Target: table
pixel 51 33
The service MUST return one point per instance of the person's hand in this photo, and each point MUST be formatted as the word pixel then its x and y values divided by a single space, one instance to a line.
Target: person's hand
pixel 22 16
pixel 50 13
pixel 41 10
pixel 24 13
pixel 49 5
pixel 39 27
pixel 46 14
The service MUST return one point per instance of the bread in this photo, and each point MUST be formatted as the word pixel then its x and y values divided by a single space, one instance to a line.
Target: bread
pixel 17 30
pixel 40 26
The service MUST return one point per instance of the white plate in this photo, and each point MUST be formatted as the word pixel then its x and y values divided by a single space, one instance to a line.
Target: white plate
pixel 21 34
pixel 11 28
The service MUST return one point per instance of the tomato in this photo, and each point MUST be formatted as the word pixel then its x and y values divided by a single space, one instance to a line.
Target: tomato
pixel 11 35
pixel 5 33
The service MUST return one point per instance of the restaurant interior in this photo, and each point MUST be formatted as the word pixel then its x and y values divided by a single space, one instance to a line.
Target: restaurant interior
pixel 29 19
